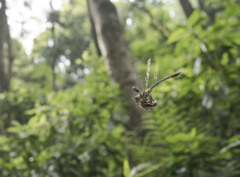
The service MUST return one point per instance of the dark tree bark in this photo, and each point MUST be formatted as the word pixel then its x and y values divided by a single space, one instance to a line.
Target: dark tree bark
pixel 5 60
pixel 94 33
pixel 9 51
pixel 187 7
pixel 201 4
pixel 114 48
pixel 4 85
pixel 53 59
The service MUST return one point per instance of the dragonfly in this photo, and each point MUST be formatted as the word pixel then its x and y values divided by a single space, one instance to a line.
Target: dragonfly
pixel 144 99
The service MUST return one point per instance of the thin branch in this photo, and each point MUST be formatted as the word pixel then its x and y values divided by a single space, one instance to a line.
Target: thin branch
pixel 157 23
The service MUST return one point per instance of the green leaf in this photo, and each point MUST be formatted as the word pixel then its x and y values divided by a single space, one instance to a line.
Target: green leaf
pixel 193 132
pixel 126 168
pixel 149 170
pixel 177 35
pixel 231 145
pixel 193 19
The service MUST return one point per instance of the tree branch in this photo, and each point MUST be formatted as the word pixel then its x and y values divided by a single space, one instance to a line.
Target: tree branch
pixel 157 23
pixel 187 7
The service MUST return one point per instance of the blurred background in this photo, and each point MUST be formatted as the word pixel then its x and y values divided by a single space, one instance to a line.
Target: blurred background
pixel 66 72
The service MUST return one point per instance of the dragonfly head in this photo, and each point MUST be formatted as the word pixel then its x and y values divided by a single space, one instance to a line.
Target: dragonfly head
pixel 135 89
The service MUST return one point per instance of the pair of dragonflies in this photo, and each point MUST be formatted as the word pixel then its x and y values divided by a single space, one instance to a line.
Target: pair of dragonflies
pixel 144 99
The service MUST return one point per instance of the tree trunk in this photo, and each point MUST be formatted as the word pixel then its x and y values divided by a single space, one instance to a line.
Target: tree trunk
pixel 53 59
pixel 114 48
pixel 187 7
pixel 3 76
pixel 9 51
pixel 201 4
pixel 5 71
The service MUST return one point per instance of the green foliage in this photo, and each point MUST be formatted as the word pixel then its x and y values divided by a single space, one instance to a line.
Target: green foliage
pixel 78 130
pixel 190 132
pixel 64 46
pixel 15 103
pixel 69 134
pixel 126 168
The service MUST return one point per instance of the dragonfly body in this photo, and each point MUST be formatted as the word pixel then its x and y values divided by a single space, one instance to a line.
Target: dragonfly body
pixel 144 99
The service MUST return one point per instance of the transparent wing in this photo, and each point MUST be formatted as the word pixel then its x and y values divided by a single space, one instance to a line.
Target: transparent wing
pixel 156 72
pixel 148 71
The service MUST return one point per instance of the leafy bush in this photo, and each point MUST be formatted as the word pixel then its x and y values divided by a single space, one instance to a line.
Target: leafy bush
pixel 189 134
pixel 71 134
